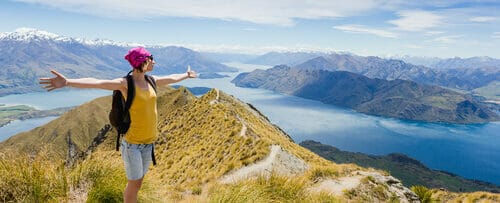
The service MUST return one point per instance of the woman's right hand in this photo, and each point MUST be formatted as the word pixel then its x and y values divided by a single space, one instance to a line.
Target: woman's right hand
pixel 54 83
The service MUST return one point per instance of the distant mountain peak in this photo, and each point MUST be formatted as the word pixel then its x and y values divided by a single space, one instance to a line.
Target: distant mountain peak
pixel 29 34
pixel 25 34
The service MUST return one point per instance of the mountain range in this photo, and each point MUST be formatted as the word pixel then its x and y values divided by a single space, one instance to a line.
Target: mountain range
pixel 397 98
pixel 463 74
pixel 463 78
pixel 28 54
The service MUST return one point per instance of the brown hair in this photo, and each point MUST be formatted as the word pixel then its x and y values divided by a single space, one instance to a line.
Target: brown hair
pixel 141 67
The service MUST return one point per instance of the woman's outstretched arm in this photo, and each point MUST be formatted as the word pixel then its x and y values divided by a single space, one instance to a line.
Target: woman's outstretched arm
pixel 59 81
pixel 169 79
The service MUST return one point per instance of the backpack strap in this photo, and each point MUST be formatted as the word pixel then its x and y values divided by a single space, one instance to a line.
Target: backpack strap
pixel 128 104
pixel 151 81
pixel 130 94
pixel 153 155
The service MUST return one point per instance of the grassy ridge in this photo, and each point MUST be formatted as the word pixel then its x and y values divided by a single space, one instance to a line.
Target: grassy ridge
pixel 200 140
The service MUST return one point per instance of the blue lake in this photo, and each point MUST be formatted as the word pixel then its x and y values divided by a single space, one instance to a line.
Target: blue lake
pixel 470 151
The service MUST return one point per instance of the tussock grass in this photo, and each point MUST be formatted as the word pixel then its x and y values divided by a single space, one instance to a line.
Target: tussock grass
pixel 320 172
pixel 423 193
pixel 445 196
pixel 38 178
pixel 25 178
pixel 105 176
pixel 268 189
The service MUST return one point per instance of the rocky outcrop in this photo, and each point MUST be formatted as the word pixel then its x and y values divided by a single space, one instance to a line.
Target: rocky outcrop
pixel 75 154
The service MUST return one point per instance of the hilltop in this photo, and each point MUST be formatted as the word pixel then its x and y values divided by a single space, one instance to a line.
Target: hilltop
pixel 211 148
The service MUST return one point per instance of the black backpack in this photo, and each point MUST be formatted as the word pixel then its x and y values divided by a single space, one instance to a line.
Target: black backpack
pixel 119 116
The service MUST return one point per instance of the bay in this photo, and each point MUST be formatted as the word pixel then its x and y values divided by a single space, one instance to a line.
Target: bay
pixel 18 126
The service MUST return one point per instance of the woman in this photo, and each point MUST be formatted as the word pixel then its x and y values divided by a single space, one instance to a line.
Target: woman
pixel 137 143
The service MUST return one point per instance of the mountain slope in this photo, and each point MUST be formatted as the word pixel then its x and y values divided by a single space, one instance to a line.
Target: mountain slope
pixel 399 166
pixel 67 140
pixel 28 54
pixel 201 142
pixel 396 98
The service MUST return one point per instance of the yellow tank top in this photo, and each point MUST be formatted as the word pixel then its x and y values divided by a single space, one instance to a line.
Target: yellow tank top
pixel 143 116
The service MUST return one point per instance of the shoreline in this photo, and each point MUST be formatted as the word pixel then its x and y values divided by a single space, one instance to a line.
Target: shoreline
pixel 29 113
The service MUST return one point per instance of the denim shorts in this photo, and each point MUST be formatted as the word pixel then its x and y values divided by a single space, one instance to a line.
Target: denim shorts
pixel 137 158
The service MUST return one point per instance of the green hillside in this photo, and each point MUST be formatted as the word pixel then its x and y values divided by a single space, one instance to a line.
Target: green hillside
pixel 490 91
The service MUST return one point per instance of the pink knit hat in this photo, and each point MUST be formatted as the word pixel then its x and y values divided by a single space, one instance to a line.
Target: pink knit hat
pixel 136 56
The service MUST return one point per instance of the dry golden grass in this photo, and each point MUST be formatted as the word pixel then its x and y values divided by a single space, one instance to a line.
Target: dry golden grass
pixel 482 197
pixel 269 189
pixel 25 178
pixel 199 142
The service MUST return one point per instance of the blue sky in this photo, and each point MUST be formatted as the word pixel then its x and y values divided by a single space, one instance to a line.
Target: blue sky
pixel 440 28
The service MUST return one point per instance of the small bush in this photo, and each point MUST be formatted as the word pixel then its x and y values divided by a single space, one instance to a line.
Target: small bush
pixel 423 193
pixel 322 172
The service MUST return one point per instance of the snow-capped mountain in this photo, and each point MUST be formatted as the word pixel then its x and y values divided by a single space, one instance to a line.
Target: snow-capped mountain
pixel 28 54
pixel 31 35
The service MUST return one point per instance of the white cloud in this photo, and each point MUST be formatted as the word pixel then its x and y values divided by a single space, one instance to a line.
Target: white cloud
pixel 431 33
pixel 416 20
pixel 362 30
pixel 447 39
pixel 279 12
pixel 482 19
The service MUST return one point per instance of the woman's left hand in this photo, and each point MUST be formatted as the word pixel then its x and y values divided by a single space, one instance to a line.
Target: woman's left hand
pixel 191 74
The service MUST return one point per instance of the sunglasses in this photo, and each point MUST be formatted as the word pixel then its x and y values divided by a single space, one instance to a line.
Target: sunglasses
pixel 151 57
